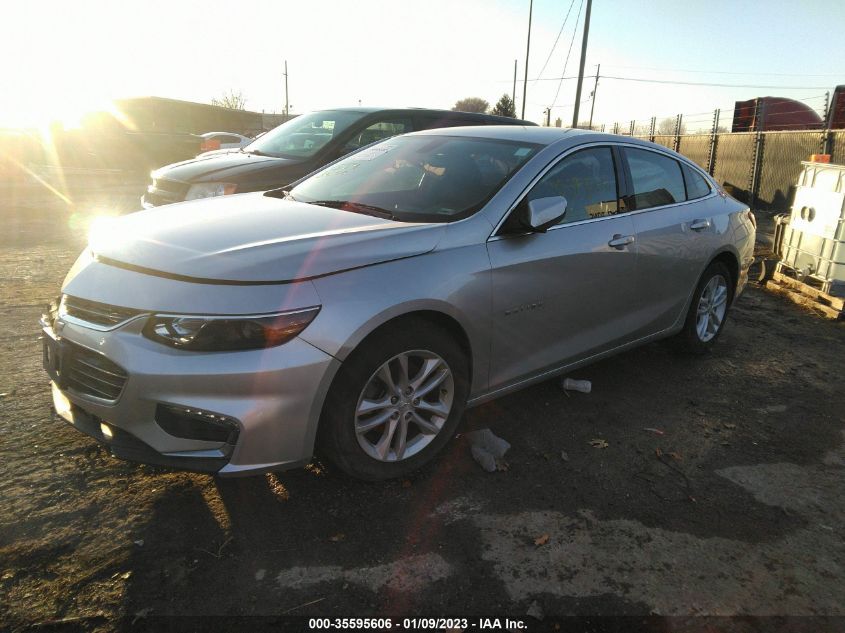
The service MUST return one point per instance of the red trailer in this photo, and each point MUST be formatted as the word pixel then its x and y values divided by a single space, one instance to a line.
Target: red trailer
pixel 776 113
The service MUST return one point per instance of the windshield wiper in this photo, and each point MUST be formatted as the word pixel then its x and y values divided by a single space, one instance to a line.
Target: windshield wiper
pixel 284 194
pixel 356 207
pixel 257 152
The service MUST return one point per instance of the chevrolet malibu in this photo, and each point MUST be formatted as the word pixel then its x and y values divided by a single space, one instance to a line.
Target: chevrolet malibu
pixel 360 311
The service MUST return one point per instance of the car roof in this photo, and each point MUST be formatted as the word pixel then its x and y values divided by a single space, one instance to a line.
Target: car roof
pixel 544 136
pixel 524 133
pixel 419 110
pixel 206 134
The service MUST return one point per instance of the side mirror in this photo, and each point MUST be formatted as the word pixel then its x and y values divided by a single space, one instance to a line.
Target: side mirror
pixel 540 214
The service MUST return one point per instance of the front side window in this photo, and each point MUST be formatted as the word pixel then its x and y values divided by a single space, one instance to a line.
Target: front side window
pixel 587 179
pixel 417 178
pixel 305 135
pixel 656 179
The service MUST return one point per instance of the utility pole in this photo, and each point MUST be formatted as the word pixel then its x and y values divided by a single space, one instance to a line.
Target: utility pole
pixel 527 50
pixel 581 69
pixel 287 108
pixel 595 89
pixel 513 97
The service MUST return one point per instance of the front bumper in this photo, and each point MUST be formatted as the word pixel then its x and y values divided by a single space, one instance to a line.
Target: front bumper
pixel 274 396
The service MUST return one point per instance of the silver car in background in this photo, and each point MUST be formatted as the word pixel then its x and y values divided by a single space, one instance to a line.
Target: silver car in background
pixel 361 311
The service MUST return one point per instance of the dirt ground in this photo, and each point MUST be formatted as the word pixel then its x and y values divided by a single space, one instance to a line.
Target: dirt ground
pixel 719 491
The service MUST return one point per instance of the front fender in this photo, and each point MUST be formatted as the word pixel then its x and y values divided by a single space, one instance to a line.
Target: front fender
pixel 453 282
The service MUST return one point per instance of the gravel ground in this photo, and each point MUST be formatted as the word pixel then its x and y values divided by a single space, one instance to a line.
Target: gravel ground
pixel 731 504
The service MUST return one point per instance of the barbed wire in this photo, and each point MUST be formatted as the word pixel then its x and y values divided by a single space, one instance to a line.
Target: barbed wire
pixel 697 119
pixel 671 82
pixel 725 72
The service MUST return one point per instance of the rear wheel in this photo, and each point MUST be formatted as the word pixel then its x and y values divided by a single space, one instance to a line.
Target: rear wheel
pixel 395 402
pixel 708 310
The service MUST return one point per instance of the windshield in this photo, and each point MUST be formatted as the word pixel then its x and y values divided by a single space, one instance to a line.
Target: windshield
pixel 417 178
pixel 303 136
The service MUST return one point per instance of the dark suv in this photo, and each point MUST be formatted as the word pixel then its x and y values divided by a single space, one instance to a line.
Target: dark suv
pixel 297 148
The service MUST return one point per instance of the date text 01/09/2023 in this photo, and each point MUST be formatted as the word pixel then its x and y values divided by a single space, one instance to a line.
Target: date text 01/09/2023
pixel 431 624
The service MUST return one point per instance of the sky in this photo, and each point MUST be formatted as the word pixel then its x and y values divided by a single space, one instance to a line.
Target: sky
pixel 59 59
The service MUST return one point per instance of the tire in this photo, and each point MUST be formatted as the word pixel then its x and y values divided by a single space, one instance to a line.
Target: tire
pixel 361 396
pixel 698 337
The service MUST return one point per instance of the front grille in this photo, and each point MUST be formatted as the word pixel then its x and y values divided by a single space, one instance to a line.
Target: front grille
pixel 91 374
pixel 164 191
pixel 101 314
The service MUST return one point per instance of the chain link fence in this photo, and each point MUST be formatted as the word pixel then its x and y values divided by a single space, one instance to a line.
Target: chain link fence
pixel 837 142
pixel 733 166
pixel 780 165
pixel 666 140
pixel 759 168
pixel 696 147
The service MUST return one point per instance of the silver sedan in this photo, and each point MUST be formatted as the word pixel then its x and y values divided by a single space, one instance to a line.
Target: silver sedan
pixel 359 312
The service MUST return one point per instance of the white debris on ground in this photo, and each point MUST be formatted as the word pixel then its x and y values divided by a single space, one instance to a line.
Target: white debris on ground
pixel 569 384
pixel 488 449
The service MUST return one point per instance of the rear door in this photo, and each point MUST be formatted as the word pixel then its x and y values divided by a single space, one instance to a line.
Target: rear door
pixel 567 293
pixel 672 208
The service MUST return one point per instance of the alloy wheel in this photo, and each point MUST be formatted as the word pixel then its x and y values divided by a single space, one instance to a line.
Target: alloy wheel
pixel 404 405
pixel 712 306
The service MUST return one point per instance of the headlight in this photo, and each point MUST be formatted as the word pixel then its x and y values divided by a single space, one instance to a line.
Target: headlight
pixel 210 190
pixel 228 333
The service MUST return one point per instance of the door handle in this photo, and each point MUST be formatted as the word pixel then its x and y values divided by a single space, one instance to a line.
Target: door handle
pixel 700 225
pixel 621 241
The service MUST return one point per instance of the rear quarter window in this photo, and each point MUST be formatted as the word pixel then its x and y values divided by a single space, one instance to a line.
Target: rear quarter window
pixel 697 185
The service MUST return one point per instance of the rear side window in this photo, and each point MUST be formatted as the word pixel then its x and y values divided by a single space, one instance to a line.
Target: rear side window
pixel 448 120
pixel 655 179
pixel 587 180
pixel 378 131
pixel 697 186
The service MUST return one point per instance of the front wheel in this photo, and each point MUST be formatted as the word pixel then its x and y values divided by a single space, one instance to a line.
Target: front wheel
pixel 395 402
pixel 708 310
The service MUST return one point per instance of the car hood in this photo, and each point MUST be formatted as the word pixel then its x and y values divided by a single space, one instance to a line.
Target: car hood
pixel 217 167
pixel 253 238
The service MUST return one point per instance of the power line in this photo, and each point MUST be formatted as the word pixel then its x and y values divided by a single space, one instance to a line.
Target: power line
pixel 725 72
pixel 721 85
pixel 554 46
pixel 727 110
pixel 566 62
pixel 683 83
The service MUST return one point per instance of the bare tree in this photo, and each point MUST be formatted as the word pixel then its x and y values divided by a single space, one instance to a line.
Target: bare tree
pixel 233 100
pixel 472 104
pixel 667 126
pixel 504 107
